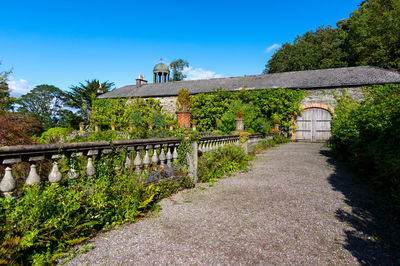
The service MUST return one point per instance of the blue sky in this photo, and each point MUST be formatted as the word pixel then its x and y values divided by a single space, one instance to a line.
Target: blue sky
pixel 63 43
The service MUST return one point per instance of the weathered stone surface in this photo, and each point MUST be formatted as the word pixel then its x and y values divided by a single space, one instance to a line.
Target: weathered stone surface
pixel 55 175
pixel 33 177
pixel 7 184
pixel 325 96
pixel 168 104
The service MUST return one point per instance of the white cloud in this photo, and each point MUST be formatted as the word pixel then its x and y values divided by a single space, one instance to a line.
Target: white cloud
pixel 199 73
pixel 272 47
pixel 18 86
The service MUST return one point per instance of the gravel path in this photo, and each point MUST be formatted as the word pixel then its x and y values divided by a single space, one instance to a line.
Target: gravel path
pixel 296 206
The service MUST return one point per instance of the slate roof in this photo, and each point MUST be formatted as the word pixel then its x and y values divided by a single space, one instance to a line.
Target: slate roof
pixel 323 78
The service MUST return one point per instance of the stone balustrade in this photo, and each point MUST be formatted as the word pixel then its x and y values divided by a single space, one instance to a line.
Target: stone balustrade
pixel 211 143
pixel 138 156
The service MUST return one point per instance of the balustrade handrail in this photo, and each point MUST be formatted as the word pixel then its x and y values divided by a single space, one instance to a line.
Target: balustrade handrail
pixel 217 137
pixel 21 150
pixel 163 150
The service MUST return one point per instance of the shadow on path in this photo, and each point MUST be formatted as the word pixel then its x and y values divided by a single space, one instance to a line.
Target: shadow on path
pixel 374 237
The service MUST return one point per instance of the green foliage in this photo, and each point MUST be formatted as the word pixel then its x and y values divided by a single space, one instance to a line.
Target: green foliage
pixel 218 110
pixel 313 50
pixel 183 103
pixel 226 160
pixel 177 67
pixel 6 102
pixel 44 103
pixel 54 135
pixel 367 135
pixel 371 36
pixel 135 113
pixel 240 114
pixel 82 96
pixel 47 220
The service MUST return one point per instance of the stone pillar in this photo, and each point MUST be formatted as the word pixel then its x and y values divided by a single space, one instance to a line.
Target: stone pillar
pixel 192 161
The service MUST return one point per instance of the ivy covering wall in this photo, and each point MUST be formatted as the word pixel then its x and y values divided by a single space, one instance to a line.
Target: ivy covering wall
pixel 132 114
pixel 217 111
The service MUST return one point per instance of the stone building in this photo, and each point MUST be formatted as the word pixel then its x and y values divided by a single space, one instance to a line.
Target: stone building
pixel 320 85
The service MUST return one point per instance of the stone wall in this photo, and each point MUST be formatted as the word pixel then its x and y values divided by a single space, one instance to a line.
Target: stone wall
pixel 168 104
pixel 321 96
pixel 325 96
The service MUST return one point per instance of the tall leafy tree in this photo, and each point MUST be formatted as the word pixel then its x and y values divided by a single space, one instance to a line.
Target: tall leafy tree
pixel 373 34
pixel 313 50
pixel 45 103
pixel 82 96
pixel 177 67
pixel 370 36
pixel 6 102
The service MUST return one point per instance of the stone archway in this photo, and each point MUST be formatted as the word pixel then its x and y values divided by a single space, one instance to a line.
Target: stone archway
pixel 314 124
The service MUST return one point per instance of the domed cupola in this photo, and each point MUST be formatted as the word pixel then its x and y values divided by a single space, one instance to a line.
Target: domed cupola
pixel 161 73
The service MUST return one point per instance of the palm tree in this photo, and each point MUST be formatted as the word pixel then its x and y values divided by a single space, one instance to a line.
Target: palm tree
pixel 82 96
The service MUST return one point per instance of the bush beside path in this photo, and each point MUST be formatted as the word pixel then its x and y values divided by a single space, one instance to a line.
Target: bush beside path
pixel 296 206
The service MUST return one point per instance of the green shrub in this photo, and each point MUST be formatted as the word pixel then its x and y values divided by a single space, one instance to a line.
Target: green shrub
pixel 54 135
pixel 367 136
pixel 224 161
pixel 47 220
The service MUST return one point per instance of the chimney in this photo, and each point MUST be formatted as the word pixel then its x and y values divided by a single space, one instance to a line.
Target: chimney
pixel 140 81
pixel 99 90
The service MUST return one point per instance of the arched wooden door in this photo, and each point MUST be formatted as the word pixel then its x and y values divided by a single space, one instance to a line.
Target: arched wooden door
pixel 314 125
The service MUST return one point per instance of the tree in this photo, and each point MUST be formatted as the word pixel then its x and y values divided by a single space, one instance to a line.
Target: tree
pixel 177 67
pixel 313 50
pixel 45 103
pixel 6 102
pixel 18 129
pixel 373 34
pixel 82 96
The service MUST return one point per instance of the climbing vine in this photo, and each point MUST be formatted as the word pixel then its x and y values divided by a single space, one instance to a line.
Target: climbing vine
pixel 134 115
pixel 217 111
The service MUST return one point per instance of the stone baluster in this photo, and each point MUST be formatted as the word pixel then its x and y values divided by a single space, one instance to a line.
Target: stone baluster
pixel 162 157
pixel 90 171
pixel 169 156
pixel 154 158
pixel 209 145
pixel 128 161
pixel 175 153
pixel 8 184
pixel 73 173
pixel 33 177
pixel 204 148
pixel 55 175
pixel 138 161
pixel 201 146
pixel 146 158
